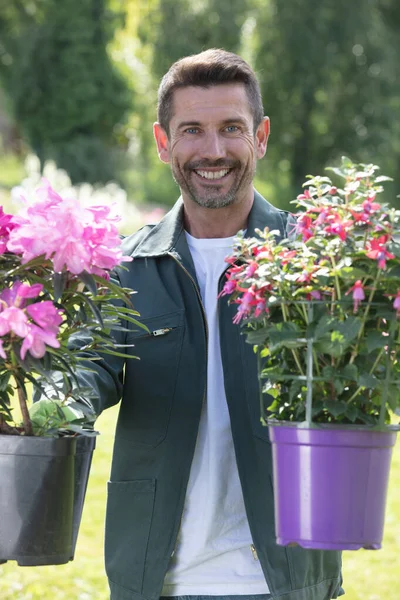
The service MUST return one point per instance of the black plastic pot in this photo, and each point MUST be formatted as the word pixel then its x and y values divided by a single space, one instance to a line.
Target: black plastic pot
pixel 42 490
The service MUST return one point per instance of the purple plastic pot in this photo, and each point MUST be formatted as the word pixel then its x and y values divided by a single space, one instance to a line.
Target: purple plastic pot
pixel 330 485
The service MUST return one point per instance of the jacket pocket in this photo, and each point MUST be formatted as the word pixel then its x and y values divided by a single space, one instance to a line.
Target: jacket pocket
pixel 128 520
pixel 150 382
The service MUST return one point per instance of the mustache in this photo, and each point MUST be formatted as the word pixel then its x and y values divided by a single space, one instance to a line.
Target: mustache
pixel 221 163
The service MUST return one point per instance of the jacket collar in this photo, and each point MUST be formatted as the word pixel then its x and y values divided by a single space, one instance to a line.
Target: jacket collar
pixel 168 236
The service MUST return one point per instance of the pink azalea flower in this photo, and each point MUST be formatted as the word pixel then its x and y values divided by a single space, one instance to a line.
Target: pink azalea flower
pixel 72 236
pixel 358 293
pixel 14 320
pixel 36 340
pixel 5 228
pixel 46 315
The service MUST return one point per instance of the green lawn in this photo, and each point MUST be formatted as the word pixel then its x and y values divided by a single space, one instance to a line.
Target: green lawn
pixel 368 575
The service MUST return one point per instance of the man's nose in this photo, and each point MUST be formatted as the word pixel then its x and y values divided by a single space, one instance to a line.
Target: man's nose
pixel 214 147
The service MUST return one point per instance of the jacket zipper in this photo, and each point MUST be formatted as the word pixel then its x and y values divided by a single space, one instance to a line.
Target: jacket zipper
pixel 206 332
pixel 252 546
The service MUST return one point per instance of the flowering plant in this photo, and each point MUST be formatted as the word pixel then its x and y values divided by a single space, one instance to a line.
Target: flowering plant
pixel 56 257
pixel 322 307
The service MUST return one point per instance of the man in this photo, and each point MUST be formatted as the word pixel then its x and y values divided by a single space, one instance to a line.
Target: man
pixel 190 505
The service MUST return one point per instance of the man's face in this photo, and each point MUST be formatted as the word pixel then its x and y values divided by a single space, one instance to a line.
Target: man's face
pixel 211 146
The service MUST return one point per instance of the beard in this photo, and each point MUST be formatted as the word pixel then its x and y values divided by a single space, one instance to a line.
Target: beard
pixel 212 196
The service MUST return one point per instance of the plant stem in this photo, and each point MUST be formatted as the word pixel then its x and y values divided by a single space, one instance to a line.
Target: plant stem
pixel 6 428
pixel 364 319
pixel 293 350
pixel 24 411
pixel 337 286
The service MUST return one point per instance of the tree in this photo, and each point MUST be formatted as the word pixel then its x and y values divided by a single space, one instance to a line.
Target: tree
pixel 328 81
pixel 66 92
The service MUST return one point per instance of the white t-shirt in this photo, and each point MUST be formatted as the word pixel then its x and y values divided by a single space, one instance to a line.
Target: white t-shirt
pixel 213 555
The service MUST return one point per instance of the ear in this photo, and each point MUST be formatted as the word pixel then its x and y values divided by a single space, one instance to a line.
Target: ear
pixel 162 142
pixel 262 135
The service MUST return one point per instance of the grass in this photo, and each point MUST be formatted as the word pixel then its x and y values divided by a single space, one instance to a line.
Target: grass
pixel 368 575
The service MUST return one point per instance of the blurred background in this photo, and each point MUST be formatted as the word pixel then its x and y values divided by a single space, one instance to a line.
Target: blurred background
pixel 78 83
pixel 78 86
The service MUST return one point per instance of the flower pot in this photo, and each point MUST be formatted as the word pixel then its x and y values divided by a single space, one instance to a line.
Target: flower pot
pixel 330 485
pixel 43 488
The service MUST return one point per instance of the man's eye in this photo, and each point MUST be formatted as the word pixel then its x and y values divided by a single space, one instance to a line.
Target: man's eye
pixel 232 128
pixel 191 130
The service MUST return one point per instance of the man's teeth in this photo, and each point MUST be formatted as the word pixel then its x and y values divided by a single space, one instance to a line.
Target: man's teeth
pixel 213 174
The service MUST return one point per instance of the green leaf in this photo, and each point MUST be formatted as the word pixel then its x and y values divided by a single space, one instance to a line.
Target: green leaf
pixel 336 407
pixel 349 372
pixel 285 335
pixel 59 282
pixel 89 282
pixel 257 338
pixel 324 325
pixel 351 413
pixel 374 340
pixel 350 328
pixel 368 381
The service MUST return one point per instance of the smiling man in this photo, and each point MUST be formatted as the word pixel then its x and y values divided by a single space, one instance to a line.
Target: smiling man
pixel 190 499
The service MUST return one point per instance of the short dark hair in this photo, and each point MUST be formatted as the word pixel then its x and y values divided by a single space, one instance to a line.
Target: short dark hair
pixel 209 68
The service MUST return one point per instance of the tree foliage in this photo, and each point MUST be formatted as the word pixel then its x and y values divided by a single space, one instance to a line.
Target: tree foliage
pixel 66 92
pixel 328 70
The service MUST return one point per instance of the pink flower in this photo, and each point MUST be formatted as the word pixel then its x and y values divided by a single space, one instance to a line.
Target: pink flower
pixel 36 341
pixel 358 293
pixel 245 304
pixel 396 304
pixel 229 288
pixel 5 228
pixel 338 226
pixel 14 320
pixel 286 256
pixel 46 315
pixel 305 196
pixel 376 249
pixel 303 227
pixel 73 237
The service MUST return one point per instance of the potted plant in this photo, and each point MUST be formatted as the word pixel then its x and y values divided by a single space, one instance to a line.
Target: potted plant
pixel 322 309
pixel 56 257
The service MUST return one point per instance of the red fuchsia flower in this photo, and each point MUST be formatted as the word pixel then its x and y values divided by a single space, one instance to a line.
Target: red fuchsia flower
pixel 338 226
pixel 304 227
pixel 229 287
pixel 263 252
pixel 396 304
pixel 314 295
pixel 286 256
pixel 358 293
pixel 305 196
pixel 251 269
pixel 72 236
pixel 365 210
pixel 245 303
pixel 376 249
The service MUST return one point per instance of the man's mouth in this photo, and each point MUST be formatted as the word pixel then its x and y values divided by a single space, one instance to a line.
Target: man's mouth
pixel 206 174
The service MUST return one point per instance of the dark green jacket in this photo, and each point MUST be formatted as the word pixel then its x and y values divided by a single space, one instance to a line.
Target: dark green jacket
pixel 162 396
